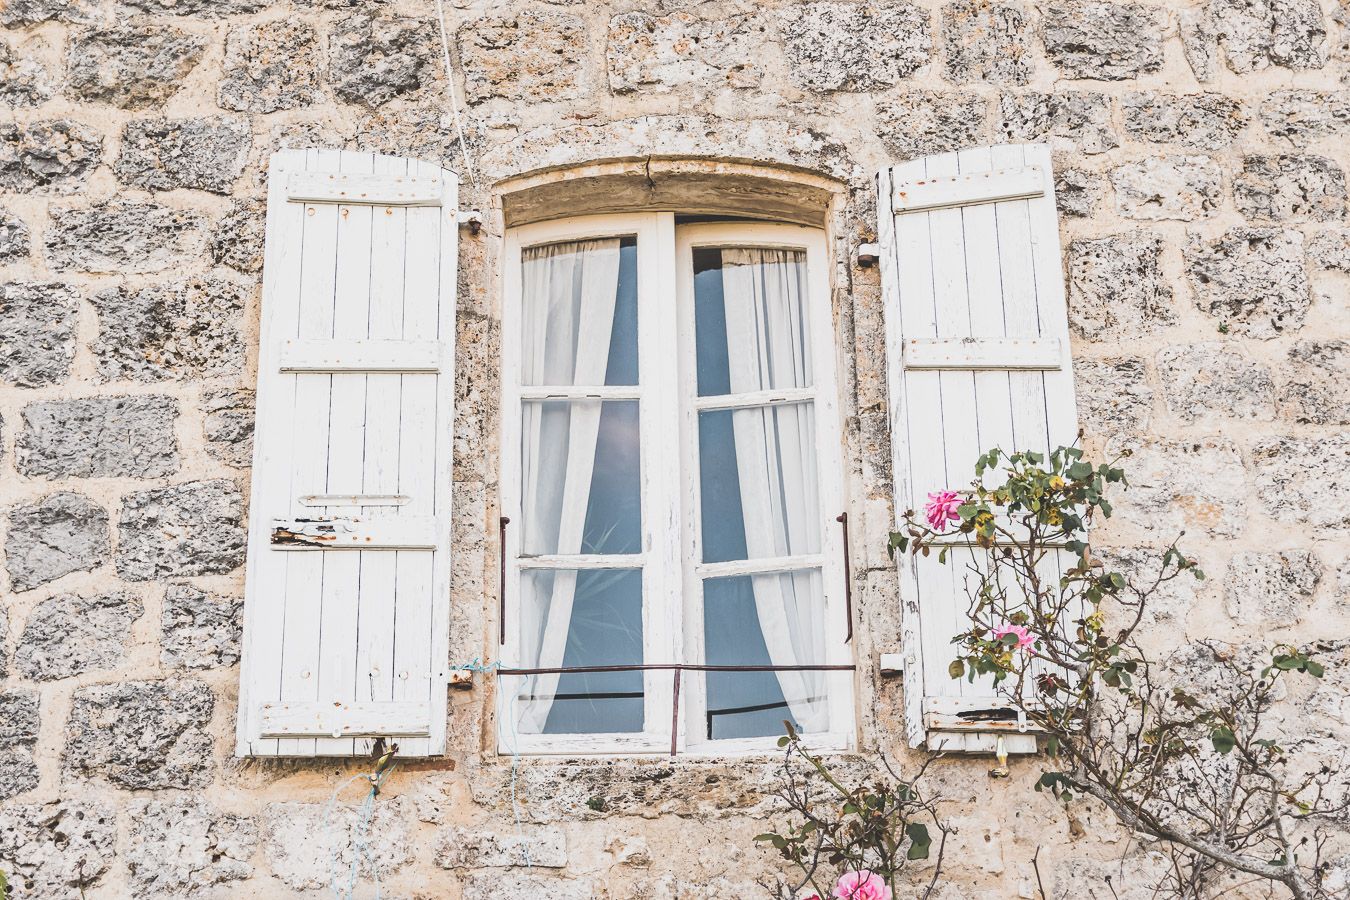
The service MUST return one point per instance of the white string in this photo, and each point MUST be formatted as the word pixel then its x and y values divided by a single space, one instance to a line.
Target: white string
pixel 454 101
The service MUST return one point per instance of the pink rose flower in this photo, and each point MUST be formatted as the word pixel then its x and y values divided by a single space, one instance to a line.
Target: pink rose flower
pixel 1024 638
pixel 941 509
pixel 861 885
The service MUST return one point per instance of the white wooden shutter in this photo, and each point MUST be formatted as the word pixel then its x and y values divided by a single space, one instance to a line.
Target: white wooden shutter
pixel 978 357
pixel 347 596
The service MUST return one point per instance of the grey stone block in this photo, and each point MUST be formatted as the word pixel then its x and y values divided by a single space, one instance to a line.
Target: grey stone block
pixel 1303 115
pixel 69 635
pixel 1168 187
pixel 1254 279
pixel 182 530
pixel 1316 390
pixel 842 46
pixel 237 239
pixel 471 848
pixel 99 437
pixel 24 81
pixel 1114 396
pixel 1280 188
pixel 200 630
pixel 142 735
pixel 228 426
pixel 37 332
pixel 1271 590
pixel 374 58
pixel 1214 381
pixel 1116 287
pixel 173 331
pixel 1305 481
pixel 920 123
pixel 185 848
pixel 1207 121
pixel 53 851
pixel 1081 118
pixel 270 66
pixel 134 64
pixel 203 154
pixel 15 238
pixel 54 156
pixel 33 12
pixel 124 236
pixel 987 42
pixel 57 535
pixel 1102 40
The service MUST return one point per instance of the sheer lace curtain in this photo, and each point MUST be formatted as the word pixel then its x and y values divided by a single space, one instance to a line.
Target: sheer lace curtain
pixel 569 292
pixel 768 348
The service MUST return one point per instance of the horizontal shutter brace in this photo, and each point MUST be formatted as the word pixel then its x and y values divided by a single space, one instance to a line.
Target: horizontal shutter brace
pixel 966 190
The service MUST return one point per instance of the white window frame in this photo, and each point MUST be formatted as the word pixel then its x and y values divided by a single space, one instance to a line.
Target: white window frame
pixel 668 416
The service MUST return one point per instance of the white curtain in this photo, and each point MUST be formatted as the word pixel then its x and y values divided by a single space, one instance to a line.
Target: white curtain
pixel 768 348
pixel 568 314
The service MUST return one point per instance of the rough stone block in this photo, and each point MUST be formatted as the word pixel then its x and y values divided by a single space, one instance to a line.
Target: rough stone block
pixel 185 848
pixel 1116 287
pixel 53 851
pixel 99 437
pixel 1215 380
pixel 133 64
pixel 301 850
pixel 37 332
pixel 1252 278
pixel 469 848
pixel 15 238
pixel 1081 119
pixel 19 719
pixel 124 236
pixel 1331 250
pixel 57 535
pixel 178 330
pixel 1078 192
pixel 1101 40
pixel 656 54
pixel 538 56
pixel 1168 187
pixel 228 426
pixel 32 12
pixel 237 240
pixel 1304 115
pixel 53 157
pixel 1257 35
pixel 1207 121
pixel 1199 42
pixel 374 58
pixel 142 735
pixel 841 46
pixel 4 641
pixel 1316 390
pixel 69 635
pixel 1198 486
pixel 1305 480
pixel 18 773
pixel 200 630
pixel 1114 396
pixel 24 80
pixel 166 154
pixel 182 530
pixel 196 8
pixel 986 42
pixel 920 123
pixel 488 886
pixel 270 66
pixel 1271 590
pixel 1278 188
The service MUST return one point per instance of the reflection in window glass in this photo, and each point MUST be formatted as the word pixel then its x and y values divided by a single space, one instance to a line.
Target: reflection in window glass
pixel 580 490
pixel 590 617
pixel 761 620
pixel 579 313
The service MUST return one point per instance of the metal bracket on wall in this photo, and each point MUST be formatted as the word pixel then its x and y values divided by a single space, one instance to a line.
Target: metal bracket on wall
pixel 471 217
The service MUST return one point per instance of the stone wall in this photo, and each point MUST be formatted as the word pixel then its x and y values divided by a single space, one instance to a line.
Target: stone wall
pixel 1201 152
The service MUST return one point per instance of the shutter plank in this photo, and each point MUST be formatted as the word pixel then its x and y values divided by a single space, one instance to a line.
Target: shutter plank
pixel 953 188
pixel 336 724
pixel 347 532
pixel 992 353
pixel 354 188
pixel 361 355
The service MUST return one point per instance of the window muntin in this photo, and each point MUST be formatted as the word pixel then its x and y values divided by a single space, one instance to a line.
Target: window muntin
pixel 716 554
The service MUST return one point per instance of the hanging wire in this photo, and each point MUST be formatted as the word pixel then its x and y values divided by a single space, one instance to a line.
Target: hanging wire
pixel 454 101
pixel 360 835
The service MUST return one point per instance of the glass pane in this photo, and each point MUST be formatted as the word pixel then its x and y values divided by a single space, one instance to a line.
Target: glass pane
pixel 579 313
pixel 765 620
pixel 590 617
pixel 750 320
pixel 757 472
pixel 580 489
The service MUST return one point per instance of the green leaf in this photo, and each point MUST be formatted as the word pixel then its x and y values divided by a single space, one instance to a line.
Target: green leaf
pixel 956 668
pixel 1052 746
pixel 1314 669
pixel 1080 470
pixel 919 841
pixel 765 837
pixel 1223 739
pixel 896 543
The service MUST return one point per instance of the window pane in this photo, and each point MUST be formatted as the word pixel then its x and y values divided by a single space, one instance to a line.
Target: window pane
pixel 750 320
pixel 579 477
pixel 758 479
pixel 590 617
pixel 579 313
pixel 762 620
